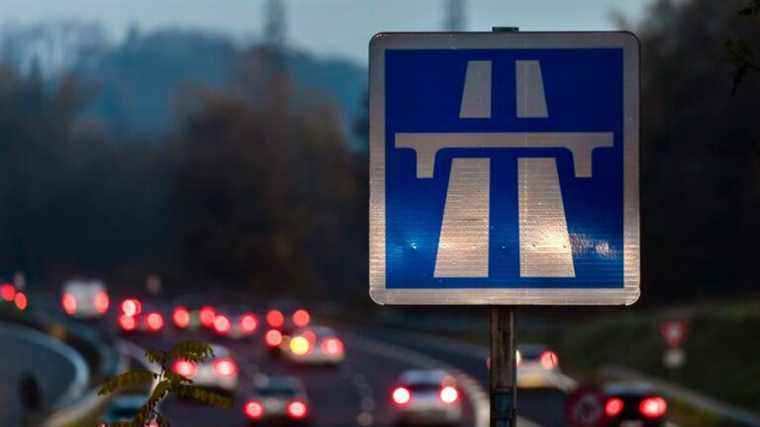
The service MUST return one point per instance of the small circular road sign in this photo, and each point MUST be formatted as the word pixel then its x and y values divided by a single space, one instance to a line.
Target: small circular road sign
pixel 585 408
pixel 674 332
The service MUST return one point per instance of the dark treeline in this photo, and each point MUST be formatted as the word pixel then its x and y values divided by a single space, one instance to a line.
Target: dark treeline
pixel 256 185
pixel 700 160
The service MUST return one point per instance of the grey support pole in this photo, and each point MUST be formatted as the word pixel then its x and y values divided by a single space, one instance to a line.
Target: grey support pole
pixel 503 368
pixel 503 380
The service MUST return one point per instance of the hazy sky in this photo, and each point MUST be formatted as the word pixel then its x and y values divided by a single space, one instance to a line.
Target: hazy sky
pixel 326 27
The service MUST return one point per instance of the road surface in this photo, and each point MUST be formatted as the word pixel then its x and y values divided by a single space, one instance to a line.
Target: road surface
pixel 353 394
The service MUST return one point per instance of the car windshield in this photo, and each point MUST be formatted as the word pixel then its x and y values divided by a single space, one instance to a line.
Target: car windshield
pixel 424 387
pixel 277 391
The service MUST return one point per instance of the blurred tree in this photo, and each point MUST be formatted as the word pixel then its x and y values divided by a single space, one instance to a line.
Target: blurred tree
pixel 265 186
pixel 740 51
pixel 700 181
pixel 72 202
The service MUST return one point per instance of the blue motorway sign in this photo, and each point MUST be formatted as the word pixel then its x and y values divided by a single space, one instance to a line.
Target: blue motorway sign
pixel 504 168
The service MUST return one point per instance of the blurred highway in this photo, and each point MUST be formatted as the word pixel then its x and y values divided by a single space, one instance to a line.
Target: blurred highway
pixel 354 393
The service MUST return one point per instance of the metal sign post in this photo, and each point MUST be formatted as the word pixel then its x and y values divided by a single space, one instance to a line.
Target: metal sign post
pixel 504 172
pixel 503 381
pixel 503 368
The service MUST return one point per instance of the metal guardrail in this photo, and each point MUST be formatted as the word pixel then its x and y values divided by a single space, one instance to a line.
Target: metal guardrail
pixel 112 362
pixel 96 350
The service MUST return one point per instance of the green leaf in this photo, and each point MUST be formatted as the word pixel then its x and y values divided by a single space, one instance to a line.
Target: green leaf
pixel 127 379
pixel 156 356
pixel 202 395
pixel 176 378
pixel 148 411
pixel 194 351
pixel 739 51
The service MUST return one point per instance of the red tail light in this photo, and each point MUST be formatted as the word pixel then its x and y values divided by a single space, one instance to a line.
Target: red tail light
pixel 69 303
pixel 254 410
pixel 297 410
pixel 7 292
pixel 549 360
pixel 181 317
pixel 332 346
pixel 154 322
pixel 614 407
pixel 185 368
pixel 20 301
pixel 127 323
pixel 401 396
pixel 449 394
pixel 248 323
pixel 222 324
pixel 207 316
pixel 131 307
pixel 101 302
pixel 301 318
pixel 225 367
pixel 653 407
pixel 273 338
pixel 275 319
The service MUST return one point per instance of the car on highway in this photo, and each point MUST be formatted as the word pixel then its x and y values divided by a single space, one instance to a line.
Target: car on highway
pixel 198 311
pixel 136 317
pixel 314 345
pixel 538 367
pixel 85 299
pixel 426 397
pixel 287 315
pixel 193 312
pixel 281 325
pixel 221 373
pixel 193 318
pixel 276 399
pixel 236 322
pixel 634 405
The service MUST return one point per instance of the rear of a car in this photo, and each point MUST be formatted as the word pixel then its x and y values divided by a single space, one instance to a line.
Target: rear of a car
pixel 135 316
pixel 235 322
pixel 317 345
pixel 427 398
pixel 219 374
pixel 279 399
pixel 634 405
pixel 538 367
pixel 85 299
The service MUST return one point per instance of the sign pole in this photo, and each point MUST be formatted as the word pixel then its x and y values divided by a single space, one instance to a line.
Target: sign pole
pixel 503 368
pixel 503 381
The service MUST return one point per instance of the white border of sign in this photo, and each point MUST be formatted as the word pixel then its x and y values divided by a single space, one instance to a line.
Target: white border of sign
pixel 521 296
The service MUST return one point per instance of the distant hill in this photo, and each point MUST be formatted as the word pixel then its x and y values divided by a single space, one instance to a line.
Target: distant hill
pixel 140 79
pixel 137 81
